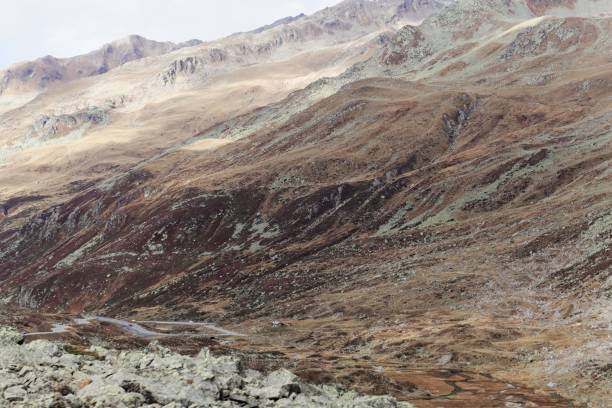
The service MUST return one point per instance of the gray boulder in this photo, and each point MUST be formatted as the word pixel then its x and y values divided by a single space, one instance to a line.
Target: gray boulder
pixel 279 384
pixel 10 336
pixel 15 393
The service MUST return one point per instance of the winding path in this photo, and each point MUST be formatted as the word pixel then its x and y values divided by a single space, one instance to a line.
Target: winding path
pixel 222 331
pixel 135 328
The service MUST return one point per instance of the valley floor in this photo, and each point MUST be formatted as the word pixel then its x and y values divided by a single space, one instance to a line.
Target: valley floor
pixel 431 359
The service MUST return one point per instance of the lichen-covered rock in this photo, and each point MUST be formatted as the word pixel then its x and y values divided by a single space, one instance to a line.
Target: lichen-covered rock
pixel 44 349
pixel 10 336
pixel 15 393
pixel 98 394
pixel 277 385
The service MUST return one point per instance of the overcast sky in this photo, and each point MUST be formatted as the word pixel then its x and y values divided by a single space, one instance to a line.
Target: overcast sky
pixel 34 28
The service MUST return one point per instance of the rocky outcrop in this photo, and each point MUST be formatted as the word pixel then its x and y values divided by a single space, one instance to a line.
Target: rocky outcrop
pixel 43 374
pixel 552 36
pixel 54 126
pixel 191 65
pixel 407 46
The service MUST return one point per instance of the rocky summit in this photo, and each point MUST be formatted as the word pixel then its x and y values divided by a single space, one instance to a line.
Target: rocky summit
pixel 46 374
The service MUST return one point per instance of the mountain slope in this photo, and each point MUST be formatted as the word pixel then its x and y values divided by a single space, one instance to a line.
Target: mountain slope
pixel 105 124
pixel 443 202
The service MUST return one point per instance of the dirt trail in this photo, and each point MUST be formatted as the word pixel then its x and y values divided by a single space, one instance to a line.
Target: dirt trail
pixel 135 328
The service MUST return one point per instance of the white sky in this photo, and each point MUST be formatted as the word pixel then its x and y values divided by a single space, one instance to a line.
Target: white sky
pixel 34 28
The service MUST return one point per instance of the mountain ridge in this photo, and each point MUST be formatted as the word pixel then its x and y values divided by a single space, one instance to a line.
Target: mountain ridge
pixel 39 74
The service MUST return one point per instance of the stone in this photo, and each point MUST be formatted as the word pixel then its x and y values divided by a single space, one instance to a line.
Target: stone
pixel 44 348
pixel 99 394
pixel 6 381
pixel 25 370
pixel 278 384
pixel 445 359
pixel 15 393
pixel 10 336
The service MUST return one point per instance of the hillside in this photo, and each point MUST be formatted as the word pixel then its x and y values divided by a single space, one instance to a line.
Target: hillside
pixel 421 209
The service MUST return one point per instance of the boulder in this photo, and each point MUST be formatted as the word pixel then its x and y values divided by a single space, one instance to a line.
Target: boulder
pixel 100 394
pixel 15 393
pixel 10 336
pixel 43 348
pixel 278 384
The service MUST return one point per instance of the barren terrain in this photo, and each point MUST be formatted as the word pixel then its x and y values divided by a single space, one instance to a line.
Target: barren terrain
pixel 415 210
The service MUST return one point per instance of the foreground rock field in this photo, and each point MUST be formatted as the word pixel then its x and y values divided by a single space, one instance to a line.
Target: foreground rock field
pixel 46 374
